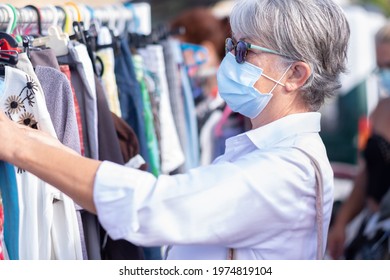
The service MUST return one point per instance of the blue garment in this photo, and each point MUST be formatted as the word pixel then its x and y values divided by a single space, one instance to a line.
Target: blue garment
pixel 193 154
pixel 130 96
pixel 9 193
pixel 228 131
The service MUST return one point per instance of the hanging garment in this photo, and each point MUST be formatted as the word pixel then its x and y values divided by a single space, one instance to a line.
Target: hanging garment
pixel 48 227
pixel 47 58
pixel 230 125
pixel 207 138
pixel 44 57
pixel 128 140
pixel 84 67
pixel 171 152
pixel 1 230
pixel 9 220
pixel 65 69
pixel 109 149
pixel 108 78
pixel 175 93
pixel 130 96
pixel 151 82
pixel 154 153
pixel 151 253
pixel 86 97
pixel 192 154
pixel 9 227
pixel 60 104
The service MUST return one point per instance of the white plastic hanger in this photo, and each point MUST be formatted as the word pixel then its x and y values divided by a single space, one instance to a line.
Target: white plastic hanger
pixel 56 40
pixel 11 17
pixel 52 10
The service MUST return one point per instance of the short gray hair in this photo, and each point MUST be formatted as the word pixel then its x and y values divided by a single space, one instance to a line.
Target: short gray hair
pixel 313 31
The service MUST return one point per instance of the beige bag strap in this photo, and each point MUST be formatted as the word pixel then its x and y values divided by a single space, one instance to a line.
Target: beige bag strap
pixel 319 208
pixel 319 204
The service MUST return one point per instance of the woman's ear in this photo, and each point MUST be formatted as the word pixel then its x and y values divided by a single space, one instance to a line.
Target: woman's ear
pixel 298 74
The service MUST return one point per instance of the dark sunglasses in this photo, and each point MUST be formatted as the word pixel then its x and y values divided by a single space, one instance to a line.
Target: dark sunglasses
pixel 241 49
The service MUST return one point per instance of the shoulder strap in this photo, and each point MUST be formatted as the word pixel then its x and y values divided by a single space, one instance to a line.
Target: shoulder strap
pixel 319 208
pixel 319 203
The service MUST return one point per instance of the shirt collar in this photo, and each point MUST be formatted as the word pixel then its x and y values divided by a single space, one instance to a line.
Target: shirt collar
pixel 285 127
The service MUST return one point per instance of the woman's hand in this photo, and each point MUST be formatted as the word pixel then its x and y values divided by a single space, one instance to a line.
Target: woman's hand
pixel 12 134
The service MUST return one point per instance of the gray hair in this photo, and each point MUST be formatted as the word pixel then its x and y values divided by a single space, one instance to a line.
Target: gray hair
pixel 313 31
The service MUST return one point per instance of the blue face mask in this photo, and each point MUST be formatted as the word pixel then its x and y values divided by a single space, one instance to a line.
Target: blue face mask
pixel 236 86
pixel 384 80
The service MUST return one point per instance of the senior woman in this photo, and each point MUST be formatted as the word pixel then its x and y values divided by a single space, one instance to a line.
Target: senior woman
pixel 259 199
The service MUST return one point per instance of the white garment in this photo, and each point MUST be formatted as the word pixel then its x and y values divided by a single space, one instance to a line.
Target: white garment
pixel 259 198
pixel 172 155
pixel 48 227
pixel 80 53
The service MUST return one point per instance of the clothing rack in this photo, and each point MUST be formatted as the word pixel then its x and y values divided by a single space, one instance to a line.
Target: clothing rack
pixel 117 15
pixel 28 15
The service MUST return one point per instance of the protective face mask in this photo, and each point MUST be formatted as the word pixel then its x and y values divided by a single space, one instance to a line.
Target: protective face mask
pixel 236 86
pixel 384 80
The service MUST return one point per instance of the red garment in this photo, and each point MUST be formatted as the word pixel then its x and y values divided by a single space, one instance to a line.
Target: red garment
pixel 65 69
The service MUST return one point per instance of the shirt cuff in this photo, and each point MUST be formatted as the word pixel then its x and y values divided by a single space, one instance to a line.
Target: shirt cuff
pixel 118 193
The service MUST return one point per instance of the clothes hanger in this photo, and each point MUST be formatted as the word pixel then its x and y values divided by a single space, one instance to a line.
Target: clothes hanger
pixel 8 51
pixel 50 17
pixel 86 15
pixel 23 21
pixel 8 42
pixel 39 19
pixel 134 24
pixel 76 9
pixel 124 16
pixel 56 40
pixel 70 18
pixel 88 38
pixel 11 17
pixel 9 46
pixel 15 18
pixel 9 57
pixel 62 17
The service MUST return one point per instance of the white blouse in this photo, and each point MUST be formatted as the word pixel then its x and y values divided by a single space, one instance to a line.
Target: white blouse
pixel 259 198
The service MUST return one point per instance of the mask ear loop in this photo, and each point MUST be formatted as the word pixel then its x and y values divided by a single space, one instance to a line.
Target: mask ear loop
pixel 278 82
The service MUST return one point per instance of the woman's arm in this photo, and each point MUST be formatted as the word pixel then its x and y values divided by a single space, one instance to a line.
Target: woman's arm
pixel 48 159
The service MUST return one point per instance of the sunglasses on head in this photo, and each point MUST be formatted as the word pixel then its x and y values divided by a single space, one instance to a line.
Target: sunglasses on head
pixel 241 49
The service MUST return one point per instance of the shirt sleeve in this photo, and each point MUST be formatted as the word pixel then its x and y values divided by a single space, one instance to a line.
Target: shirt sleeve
pixel 223 204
